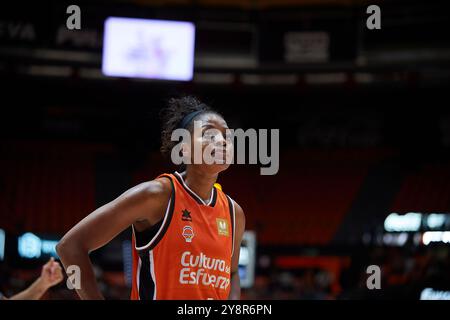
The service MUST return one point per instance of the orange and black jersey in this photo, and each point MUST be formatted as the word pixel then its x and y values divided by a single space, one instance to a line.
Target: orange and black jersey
pixel 187 255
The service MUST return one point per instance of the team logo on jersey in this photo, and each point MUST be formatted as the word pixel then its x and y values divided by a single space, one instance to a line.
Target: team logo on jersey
pixel 222 227
pixel 186 216
pixel 188 233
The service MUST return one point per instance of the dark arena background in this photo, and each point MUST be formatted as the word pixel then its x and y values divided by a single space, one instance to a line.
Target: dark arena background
pixel 364 120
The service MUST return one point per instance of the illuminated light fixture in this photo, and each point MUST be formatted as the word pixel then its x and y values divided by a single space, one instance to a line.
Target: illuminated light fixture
pixel 395 239
pixel 430 294
pixel 436 236
pixel 408 222
pixel 30 246
pixel 247 259
pixel 436 220
pixel 2 244
pixel 147 48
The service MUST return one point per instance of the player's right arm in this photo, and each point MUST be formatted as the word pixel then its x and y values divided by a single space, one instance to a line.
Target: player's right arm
pixel 143 204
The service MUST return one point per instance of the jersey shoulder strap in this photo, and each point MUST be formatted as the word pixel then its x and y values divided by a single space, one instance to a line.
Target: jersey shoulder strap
pixel 149 238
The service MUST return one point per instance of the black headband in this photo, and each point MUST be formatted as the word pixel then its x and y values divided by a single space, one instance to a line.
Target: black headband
pixel 188 118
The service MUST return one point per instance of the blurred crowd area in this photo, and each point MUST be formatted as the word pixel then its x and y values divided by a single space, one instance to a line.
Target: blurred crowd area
pixel 405 274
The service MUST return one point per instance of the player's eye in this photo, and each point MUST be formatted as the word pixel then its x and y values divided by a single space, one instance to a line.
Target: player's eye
pixel 209 137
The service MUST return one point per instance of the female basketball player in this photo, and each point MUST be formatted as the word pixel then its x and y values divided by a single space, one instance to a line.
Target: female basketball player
pixel 186 231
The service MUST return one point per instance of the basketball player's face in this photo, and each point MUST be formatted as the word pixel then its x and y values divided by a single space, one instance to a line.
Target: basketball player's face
pixel 213 139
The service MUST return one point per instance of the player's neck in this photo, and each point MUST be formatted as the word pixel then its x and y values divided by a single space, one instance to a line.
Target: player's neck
pixel 200 182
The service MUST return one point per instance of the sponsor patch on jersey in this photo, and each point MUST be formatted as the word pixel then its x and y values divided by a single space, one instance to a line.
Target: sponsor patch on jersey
pixel 222 227
pixel 188 233
pixel 186 215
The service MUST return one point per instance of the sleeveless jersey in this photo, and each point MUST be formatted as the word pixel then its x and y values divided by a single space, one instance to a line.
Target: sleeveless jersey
pixel 187 255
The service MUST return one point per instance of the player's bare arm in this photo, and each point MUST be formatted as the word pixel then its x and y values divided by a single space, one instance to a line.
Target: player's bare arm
pixel 142 205
pixel 51 275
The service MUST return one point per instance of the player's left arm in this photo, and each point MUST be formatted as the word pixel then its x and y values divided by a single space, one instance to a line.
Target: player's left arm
pixel 235 292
